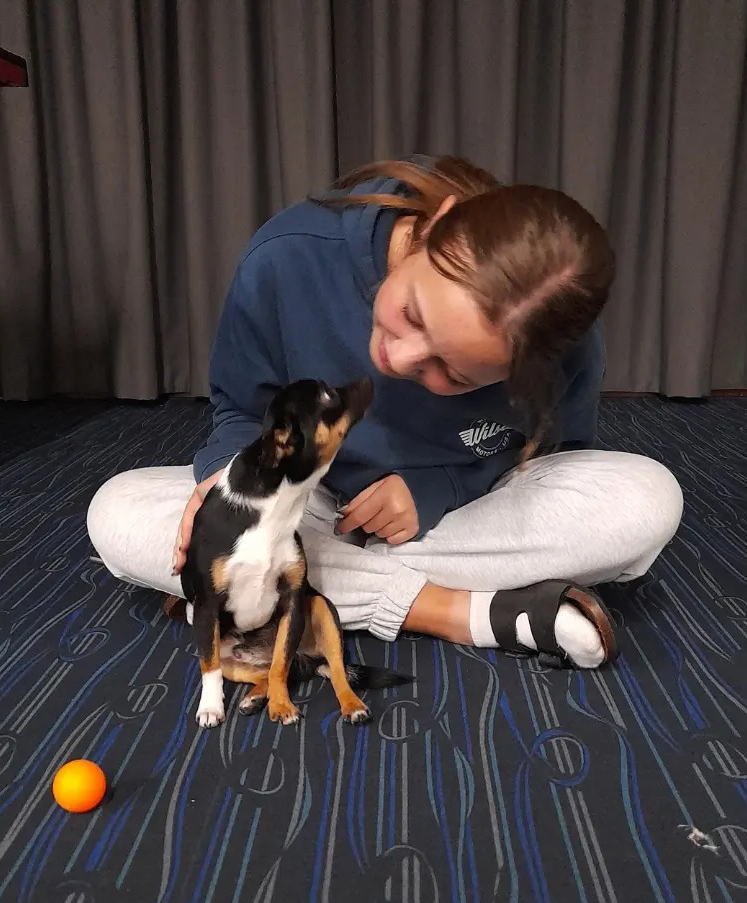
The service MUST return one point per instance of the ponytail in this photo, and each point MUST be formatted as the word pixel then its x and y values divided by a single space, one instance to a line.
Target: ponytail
pixel 427 188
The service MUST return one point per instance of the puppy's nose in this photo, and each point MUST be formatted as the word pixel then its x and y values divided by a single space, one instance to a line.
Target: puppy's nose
pixel 357 396
pixel 365 392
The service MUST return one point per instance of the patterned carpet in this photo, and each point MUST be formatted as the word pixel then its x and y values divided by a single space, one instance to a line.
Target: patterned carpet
pixel 488 779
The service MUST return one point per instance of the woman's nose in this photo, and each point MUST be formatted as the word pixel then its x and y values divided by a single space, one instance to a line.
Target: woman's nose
pixel 407 355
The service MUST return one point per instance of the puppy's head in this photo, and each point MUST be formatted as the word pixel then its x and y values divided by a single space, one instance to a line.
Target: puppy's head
pixel 307 422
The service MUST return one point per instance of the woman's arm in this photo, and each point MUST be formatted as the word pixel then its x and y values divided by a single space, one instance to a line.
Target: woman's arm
pixel 243 377
pixel 246 363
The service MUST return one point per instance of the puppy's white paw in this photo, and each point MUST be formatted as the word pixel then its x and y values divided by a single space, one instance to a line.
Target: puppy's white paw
pixel 190 612
pixel 210 717
pixel 211 710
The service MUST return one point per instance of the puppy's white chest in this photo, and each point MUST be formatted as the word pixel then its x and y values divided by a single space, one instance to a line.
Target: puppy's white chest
pixel 253 571
pixel 261 555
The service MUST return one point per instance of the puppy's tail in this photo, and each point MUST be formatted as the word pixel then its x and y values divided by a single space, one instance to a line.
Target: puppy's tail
pixel 360 677
pixel 365 677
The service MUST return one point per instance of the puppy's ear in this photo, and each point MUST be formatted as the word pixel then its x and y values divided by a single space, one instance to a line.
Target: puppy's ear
pixel 281 438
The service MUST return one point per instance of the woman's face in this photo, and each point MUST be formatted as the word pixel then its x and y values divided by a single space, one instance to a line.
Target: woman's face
pixel 429 329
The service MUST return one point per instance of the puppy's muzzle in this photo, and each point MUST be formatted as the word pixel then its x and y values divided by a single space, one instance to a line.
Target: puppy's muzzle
pixel 357 397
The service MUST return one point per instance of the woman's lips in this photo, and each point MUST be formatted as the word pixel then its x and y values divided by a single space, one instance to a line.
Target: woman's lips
pixel 383 356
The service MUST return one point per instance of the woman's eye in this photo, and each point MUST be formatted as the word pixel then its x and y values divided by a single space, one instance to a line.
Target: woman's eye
pixel 409 317
pixel 456 381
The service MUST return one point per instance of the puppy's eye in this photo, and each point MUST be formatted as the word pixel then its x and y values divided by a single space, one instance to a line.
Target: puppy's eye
pixel 325 395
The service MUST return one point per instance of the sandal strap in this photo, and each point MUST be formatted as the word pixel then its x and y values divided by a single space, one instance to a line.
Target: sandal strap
pixel 540 603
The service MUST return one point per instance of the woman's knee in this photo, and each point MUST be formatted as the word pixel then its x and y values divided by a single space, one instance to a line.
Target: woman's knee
pixel 102 518
pixel 139 503
pixel 648 504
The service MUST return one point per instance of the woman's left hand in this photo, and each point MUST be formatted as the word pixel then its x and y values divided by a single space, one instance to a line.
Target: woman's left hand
pixel 385 508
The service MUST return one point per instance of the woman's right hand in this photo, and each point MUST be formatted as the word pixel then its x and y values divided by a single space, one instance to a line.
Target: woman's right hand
pixel 184 535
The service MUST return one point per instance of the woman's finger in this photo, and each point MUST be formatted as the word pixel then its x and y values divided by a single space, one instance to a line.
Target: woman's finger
pixel 400 537
pixel 389 530
pixel 381 520
pixel 361 497
pixel 362 514
pixel 184 534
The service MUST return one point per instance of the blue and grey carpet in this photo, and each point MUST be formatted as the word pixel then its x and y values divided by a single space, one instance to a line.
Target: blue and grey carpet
pixel 489 779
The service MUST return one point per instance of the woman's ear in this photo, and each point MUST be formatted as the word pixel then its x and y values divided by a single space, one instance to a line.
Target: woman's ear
pixel 446 204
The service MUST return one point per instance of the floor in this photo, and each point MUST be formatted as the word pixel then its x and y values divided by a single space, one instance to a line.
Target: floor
pixel 487 779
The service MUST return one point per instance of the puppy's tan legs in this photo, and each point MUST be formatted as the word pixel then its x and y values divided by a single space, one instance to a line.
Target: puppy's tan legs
pixel 255 699
pixel 280 707
pixel 329 644
pixel 241 673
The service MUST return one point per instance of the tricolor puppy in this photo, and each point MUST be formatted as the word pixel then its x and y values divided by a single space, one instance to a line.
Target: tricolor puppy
pixel 256 618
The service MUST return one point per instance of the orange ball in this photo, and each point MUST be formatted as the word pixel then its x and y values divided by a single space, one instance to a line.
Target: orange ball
pixel 79 786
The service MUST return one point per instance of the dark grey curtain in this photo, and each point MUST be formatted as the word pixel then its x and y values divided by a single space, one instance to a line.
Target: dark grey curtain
pixel 156 136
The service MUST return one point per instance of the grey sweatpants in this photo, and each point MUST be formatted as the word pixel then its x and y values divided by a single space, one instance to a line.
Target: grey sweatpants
pixel 588 516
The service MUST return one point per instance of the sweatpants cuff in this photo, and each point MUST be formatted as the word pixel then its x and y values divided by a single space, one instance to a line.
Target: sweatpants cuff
pixel 391 609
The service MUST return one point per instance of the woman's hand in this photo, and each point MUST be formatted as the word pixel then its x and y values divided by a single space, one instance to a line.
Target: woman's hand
pixel 184 534
pixel 385 508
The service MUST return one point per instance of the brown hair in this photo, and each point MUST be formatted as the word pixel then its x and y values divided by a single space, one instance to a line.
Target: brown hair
pixel 535 260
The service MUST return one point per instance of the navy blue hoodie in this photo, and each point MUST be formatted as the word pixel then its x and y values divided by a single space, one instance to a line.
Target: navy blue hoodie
pixel 300 307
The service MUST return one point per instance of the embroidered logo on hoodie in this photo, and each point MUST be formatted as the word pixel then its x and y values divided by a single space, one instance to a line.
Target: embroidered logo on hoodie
pixel 486 437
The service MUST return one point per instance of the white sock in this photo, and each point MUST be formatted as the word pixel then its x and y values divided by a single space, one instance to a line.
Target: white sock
pixel 574 633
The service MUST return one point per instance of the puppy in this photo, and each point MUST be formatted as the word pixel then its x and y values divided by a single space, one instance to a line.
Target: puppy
pixel 256 618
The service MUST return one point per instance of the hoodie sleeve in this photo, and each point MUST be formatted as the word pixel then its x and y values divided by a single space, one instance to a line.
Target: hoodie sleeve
pixel 433 492
pixel 244 363
pixel 438 490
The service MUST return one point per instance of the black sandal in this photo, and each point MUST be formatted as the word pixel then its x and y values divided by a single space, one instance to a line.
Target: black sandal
pixel 540 603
